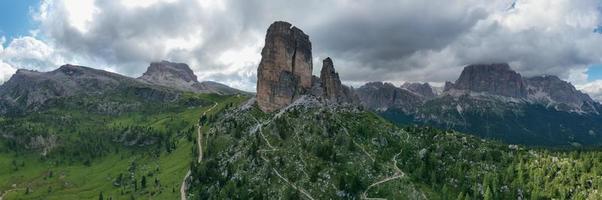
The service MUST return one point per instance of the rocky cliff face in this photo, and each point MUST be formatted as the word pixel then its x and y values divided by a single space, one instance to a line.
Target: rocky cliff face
pixel 423 89
pixel 180 76
pixel 495 102
pixel 495 79
pixel 30 90
pixel 382 96
pixel 167 73
pixel 331 85
pixel 284 72
pixel 553 91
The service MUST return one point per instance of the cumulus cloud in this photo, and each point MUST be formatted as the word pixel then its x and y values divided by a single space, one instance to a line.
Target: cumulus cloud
pixel 371 40
pixel 594 89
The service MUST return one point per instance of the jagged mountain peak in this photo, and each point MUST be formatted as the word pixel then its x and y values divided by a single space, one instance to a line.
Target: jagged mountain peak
pixel 171 70
pixel 180 76
pixel 495 79
pixel 423 89
pixel 383 95
pixel 552 90
pixel 332 88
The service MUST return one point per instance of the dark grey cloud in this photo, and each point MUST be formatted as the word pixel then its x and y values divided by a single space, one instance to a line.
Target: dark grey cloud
pixel 369 40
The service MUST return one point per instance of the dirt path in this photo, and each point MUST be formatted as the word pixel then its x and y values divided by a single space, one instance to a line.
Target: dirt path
pixel 293 185
pixel 257 129
pixel 398 175
pixel 2 194
pixel 199 138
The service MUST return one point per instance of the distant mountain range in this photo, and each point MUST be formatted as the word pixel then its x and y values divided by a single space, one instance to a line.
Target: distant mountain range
pixel 492 100
pixel 488 100
pixel 164 81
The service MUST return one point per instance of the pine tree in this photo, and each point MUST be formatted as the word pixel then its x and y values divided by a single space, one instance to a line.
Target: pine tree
pixel 460 196
pixel 488 194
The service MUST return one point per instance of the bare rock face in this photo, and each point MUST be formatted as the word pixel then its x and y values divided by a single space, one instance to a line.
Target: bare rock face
pixel 332 88
pixel 30 90
pixel 168 72
pixel 423 89
pixel 284 73
pixel 553 90
pixel 382 96
pixel 179 76
pixel 496 79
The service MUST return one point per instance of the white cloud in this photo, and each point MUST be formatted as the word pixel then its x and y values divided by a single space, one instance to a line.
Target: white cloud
pixel 394 41
pixel 594 89
pixel 30 53
pixel 6 71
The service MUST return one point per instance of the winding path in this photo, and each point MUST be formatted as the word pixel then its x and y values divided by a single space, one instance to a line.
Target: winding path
pixel 256 129
pixel 199 138
pixel 2 194
pixel 397 175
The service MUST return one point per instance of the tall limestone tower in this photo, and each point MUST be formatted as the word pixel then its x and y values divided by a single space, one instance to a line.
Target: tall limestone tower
pixel 285 70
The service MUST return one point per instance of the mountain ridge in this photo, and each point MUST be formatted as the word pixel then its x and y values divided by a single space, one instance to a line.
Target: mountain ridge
pixel 29 90
pixel 493 101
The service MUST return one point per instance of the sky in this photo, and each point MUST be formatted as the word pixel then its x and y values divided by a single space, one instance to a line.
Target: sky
pixel 370 40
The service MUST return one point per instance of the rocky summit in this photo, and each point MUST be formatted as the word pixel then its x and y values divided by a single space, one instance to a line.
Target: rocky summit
pixel 423 89
pixel 382 96
pixel 284 72
pixel 180 76
pixel 551 90
pixel 32 90
pixel 168 72
pixel 496 79
pixel 164 81
pixel 331 85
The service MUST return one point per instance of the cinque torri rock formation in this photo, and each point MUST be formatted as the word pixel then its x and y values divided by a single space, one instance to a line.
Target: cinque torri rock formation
pixel 332 89
pixel 285 71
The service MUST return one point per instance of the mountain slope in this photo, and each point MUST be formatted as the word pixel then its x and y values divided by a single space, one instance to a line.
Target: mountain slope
pixel 69 153
pixel 309 150
pixel 28 91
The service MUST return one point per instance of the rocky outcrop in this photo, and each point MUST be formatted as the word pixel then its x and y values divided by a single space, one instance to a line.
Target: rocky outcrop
pixel 422 89
pixel 166 72
pixel 30 90
pixel 495 79
pixel 563 95
pixel 179 76
pixel 331 85
pixel 285 69
pixel 382 96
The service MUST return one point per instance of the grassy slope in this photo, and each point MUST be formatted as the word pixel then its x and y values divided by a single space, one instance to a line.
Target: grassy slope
pixel 78 181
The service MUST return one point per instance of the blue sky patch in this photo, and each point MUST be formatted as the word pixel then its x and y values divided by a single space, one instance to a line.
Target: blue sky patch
pixel 594 72
pixel 14 18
